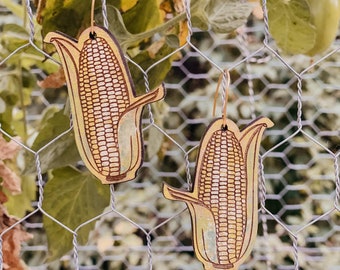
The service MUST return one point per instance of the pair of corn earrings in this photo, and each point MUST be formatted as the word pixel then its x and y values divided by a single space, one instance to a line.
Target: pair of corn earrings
pixel 107 125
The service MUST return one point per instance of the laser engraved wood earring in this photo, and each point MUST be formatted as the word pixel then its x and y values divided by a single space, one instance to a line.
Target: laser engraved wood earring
pixel 106 111
pixel 224 201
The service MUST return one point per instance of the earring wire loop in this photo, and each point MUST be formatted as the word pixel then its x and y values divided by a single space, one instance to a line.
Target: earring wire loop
pixel 223 76
pixel 92 17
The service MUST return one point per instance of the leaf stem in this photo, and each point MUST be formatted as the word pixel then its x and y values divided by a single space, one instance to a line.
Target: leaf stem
pixel 135 38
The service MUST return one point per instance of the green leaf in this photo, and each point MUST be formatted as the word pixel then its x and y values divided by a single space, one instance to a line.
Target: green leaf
pixel 117 27
pixel 65 16
pixel 54 124
pixel 9 85
pixel 119 30
pixel 125 38
pixel 60 153
pixel 19 205
pixel 143 16
pixel 136 24
pixel 172 40
pixel 155 75
pixel 220 15
pixel 2 106
pixel 155 139
pixel 290 25
pixel 17 9
pixel 71 197
pixel 13 36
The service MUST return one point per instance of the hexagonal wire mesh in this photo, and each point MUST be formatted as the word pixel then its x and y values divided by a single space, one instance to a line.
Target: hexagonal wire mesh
pixel 299 164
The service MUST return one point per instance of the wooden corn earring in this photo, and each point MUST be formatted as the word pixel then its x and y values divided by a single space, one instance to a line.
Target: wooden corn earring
pixel 106 111
pixel 224 200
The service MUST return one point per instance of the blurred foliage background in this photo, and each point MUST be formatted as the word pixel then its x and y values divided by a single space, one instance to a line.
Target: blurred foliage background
pixel 300 170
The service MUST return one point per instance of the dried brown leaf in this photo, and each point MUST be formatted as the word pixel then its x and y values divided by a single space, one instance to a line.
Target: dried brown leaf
pixel 183 32
pixel 179 6
pixel 3 197
pixel 257 11
pixel 40 4
pixel 154 48
pixel 54 80
pixel 8 150
pixel 166 6
pixel 12 240
pixel 10 180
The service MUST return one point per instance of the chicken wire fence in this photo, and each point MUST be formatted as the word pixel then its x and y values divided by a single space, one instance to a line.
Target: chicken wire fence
pixel 299 218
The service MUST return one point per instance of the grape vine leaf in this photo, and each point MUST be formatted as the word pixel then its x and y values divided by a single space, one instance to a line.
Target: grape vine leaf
pixel 121 29
pixel 146 13
pixel 60 153
pixel 71 16
pixel 63 15
pixel 155 75
pixel 220 15
pixel 71 197
pixel 290 25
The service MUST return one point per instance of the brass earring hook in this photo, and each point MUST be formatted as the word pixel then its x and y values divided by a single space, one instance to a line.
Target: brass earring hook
pixel 220 79
pixel 92 18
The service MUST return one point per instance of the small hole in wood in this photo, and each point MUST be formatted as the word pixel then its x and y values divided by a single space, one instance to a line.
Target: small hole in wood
pixel 93 35
pixel 224 127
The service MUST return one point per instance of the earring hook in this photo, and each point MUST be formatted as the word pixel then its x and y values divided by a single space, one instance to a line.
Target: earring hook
pixel 92 17
pixel 224 76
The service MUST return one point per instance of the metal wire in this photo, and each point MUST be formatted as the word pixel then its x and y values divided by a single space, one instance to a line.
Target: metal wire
pixel 302 132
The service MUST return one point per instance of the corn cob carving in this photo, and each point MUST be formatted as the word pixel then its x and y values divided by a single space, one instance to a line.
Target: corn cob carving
pixel 223 202
pixel 106 112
